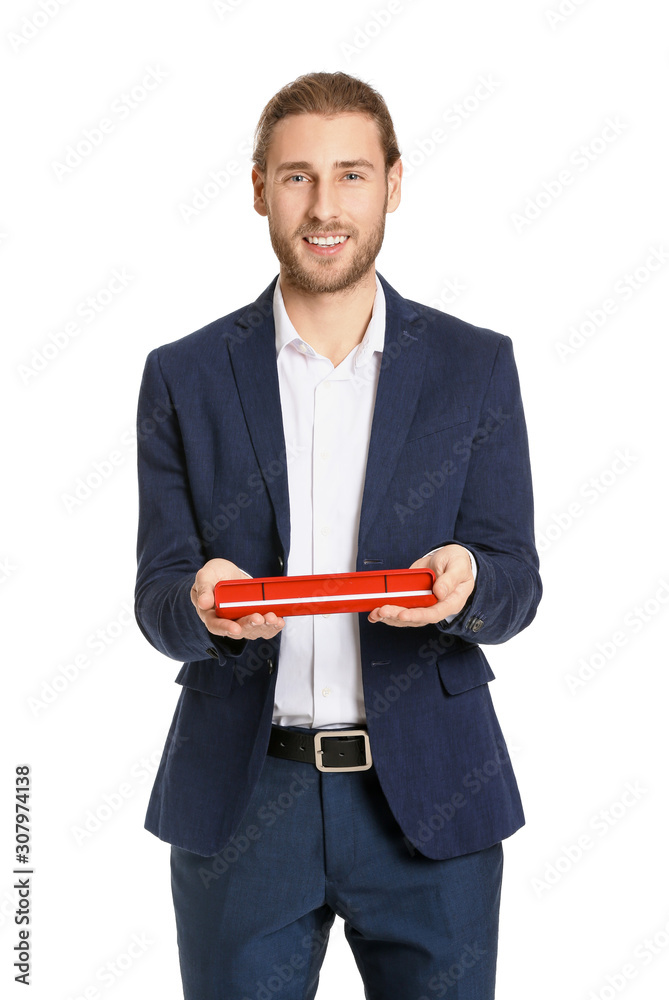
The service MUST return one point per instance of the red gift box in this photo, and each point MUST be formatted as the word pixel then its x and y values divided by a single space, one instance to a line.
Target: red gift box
pixel 329 594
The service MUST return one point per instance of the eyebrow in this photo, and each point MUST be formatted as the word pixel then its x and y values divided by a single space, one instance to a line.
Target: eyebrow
pixel 338 165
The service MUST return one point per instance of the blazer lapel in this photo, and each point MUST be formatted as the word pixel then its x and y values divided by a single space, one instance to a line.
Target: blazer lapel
pixel 400 379
pixel 252 348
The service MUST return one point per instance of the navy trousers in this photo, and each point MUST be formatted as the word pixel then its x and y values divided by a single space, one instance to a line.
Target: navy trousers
pixel 253 920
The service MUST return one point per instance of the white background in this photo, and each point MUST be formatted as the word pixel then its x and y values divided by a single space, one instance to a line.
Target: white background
pixel 569 924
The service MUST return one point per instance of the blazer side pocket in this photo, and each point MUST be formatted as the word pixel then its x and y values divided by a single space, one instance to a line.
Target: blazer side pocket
pixel 206 676
pixel 464 670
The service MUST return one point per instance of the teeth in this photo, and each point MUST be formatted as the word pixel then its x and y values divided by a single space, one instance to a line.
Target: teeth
pixel 326 241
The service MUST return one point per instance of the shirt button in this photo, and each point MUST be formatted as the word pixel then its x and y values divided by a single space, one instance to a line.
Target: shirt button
pixel 325 530
pixel 325 616
pixel 303 348
pixel 325 455
pixel 326 691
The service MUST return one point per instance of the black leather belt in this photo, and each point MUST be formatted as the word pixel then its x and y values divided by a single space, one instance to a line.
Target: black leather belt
pixel 328 749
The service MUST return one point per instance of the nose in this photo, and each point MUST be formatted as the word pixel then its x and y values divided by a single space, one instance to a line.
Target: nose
pixel 325 202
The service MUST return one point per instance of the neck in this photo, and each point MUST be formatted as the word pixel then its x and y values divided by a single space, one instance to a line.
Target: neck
pixel 333 323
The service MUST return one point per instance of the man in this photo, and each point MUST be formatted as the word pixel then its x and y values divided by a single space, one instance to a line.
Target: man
pixel 333 426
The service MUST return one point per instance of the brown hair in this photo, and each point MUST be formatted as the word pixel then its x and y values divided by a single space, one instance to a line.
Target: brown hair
pixel 325 94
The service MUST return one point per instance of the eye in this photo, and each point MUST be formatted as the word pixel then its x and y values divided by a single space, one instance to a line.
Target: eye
pixel 353 175
pixel 292 178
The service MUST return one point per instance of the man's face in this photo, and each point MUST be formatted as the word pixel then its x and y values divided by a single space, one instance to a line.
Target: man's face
pixel 325 177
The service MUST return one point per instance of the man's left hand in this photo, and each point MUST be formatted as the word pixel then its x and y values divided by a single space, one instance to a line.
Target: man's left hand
pixel 453 584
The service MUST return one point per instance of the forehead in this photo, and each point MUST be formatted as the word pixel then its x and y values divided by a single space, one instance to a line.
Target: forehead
pixel 323 141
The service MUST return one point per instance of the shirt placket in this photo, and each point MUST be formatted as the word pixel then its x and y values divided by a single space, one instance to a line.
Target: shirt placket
pixel 327 691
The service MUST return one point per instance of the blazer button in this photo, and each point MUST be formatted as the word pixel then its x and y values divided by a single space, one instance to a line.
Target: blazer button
pixel 280 561
pixel 270 666
pixel 213 652
pixel 474 624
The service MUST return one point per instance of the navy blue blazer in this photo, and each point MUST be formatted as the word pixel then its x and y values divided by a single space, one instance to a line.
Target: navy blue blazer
pixel 448 462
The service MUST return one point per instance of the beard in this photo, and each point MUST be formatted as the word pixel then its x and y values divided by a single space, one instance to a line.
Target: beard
pixel 326 274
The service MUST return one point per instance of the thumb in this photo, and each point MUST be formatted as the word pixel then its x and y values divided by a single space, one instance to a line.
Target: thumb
pixel 440 588
pixel 204 593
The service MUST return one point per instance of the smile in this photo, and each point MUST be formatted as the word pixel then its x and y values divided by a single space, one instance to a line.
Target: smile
pixel 325 246
pixel 325 241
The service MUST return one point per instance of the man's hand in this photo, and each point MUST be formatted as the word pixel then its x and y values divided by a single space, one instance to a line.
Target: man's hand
pixel 453 584
pixel 202 595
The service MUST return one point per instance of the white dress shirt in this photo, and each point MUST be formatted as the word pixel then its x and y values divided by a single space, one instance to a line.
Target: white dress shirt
pixel 327 419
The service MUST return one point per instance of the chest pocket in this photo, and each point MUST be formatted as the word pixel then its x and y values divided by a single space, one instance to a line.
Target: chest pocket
pixel 440 423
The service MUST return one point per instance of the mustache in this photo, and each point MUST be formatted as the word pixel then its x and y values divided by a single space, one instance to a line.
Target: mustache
pixel 325 230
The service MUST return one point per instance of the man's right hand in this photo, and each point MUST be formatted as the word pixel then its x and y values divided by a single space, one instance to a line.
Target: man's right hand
pixel 254 626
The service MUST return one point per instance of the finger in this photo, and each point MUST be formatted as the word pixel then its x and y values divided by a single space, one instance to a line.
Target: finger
pixel 224 627
pixel 392 615
pixel 434 613
pixel 250 627
pixel 385 612
pixel 274 621
pixel 258 626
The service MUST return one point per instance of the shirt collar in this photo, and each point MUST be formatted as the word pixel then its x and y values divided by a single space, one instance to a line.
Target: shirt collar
pixel 373 340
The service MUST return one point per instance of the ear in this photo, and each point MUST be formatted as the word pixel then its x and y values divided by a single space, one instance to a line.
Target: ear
pixel 394 185
pixel 258 181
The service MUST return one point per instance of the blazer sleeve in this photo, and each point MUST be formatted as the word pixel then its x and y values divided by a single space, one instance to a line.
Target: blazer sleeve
pixel 495 519
pixel 166 564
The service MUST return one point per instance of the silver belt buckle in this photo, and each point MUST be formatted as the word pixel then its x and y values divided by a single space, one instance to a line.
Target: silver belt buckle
pixel 318 751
